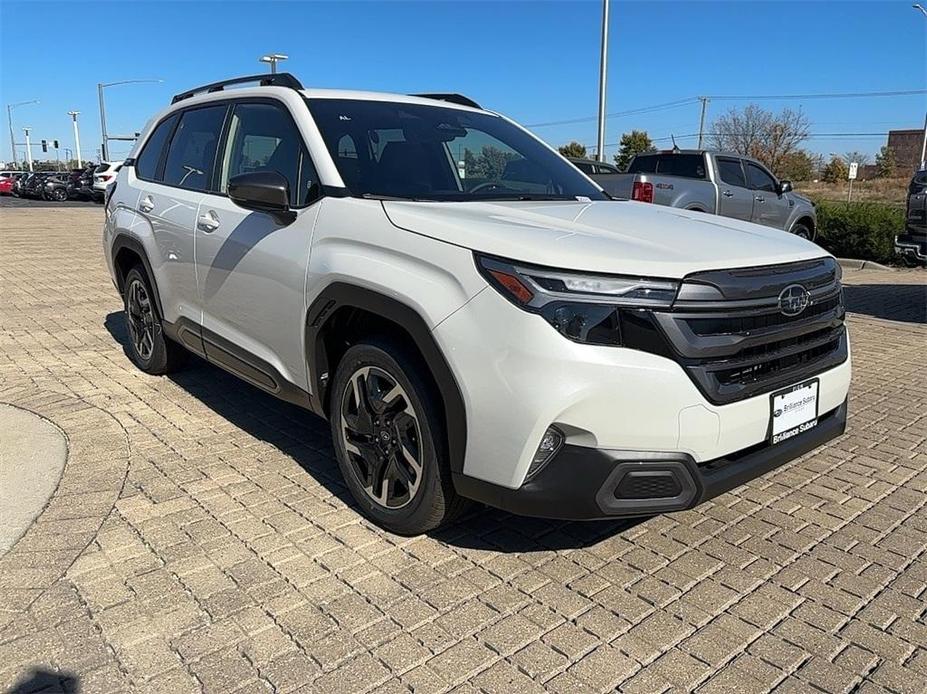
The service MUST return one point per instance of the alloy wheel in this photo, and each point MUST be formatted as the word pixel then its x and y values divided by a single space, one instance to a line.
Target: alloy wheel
pixel 141 319
pixel 382 437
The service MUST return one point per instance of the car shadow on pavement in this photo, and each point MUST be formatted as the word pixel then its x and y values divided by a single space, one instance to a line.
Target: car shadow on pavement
pixel 899 302
pixel 306 438
pixel 41 679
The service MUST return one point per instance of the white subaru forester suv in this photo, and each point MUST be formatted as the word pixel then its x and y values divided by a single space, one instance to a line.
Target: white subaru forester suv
pixel 474 316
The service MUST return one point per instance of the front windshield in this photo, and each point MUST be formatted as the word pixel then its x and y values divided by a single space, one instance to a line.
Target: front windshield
pixel 395 150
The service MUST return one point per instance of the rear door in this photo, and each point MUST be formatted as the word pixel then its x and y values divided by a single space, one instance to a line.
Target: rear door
pixel 251 266
pixel 735 199
pixel 172 180
pixel 769 207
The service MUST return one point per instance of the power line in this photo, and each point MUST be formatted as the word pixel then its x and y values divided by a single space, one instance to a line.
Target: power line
pixel 729 97
pixel 643 109
pixel 687 136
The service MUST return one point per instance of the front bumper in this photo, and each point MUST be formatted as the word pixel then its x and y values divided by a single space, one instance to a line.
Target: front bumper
pixel 592 483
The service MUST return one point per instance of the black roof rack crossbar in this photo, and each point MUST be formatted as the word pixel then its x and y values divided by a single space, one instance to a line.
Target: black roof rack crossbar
pixel 279 79
pixel 452 98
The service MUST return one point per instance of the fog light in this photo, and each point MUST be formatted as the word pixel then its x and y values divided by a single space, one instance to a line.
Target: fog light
pixel 551 442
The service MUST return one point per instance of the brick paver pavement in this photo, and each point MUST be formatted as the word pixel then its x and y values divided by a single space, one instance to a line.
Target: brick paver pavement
pixel 201 539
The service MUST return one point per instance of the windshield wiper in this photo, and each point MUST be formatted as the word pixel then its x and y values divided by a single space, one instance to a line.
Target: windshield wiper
pixel 395 198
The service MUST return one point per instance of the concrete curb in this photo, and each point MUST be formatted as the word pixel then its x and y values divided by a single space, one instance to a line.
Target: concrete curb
pixel 853 264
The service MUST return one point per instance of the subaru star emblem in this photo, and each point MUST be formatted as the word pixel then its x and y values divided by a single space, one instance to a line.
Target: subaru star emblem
pixel 793 300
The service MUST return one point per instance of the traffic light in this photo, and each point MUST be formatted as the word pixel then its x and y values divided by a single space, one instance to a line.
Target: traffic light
pixel 55 143
pixel 44 145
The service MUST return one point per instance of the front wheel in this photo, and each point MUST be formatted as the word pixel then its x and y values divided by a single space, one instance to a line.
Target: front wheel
pixel 388 435
pixel 802 231
pixel 59 194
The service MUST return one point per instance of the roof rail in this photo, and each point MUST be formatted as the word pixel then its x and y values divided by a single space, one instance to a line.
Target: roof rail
pixel 277 79
pixel 452 98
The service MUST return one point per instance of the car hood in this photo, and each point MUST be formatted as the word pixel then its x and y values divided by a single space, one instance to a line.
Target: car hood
pixel 618 237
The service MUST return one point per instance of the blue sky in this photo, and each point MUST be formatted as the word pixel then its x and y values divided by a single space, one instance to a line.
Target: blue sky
pixel 534 61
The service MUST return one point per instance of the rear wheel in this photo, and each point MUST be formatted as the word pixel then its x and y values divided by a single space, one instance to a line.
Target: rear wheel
pixel 389 439
pixel 148 347
pixel 59 194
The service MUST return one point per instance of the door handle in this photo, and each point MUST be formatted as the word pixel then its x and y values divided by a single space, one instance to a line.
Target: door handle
pixel 208 222
pixel 727 194
pixel 759 198
pixel 146 204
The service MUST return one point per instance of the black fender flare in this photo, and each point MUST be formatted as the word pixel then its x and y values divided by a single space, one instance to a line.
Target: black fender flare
pixel 341 294
pixel 124 241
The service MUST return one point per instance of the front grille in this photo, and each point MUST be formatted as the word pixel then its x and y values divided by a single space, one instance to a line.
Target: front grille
pixel 733 340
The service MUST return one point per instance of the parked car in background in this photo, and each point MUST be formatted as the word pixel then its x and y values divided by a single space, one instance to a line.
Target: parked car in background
pixel 56 187
pixel 912 245
pixel 18 180
pixel 519 339
pixel 104 176
pixel 33 185
pixel 6 183
pixel 729 185
pixel 591 167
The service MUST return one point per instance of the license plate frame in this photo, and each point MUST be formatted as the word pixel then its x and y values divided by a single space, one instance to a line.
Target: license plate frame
pixel 786 429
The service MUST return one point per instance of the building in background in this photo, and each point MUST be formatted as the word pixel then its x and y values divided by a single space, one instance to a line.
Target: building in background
pixel 907 147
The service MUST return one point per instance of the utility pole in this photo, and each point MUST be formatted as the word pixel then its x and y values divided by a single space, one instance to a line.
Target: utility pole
pixel 924 145
pixel 103 121
pixel 74 115
pixel 701 121
pixel 28 148
pixel 603 66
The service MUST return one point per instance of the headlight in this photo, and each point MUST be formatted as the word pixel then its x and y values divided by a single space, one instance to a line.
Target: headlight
pixel 582 307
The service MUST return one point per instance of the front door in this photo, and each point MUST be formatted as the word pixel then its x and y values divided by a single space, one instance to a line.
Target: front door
pixel 735 199
pixel 769 207
pixel 251 267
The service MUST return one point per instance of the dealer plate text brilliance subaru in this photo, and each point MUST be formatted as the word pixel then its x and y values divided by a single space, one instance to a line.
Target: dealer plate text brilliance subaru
pixel 475 318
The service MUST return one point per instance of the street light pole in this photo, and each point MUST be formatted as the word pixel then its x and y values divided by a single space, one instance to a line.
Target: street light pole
pixel 74 115
pixel 28 148
pixel 603 65
pixel 9 116
pixel 920 8
pixel 273 59
pixel 100 87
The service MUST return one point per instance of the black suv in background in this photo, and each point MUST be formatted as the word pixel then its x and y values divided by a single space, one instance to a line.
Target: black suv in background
pixel 912 245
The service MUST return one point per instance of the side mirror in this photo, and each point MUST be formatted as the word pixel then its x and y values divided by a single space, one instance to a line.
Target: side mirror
pixel 262 191
pixel 784 187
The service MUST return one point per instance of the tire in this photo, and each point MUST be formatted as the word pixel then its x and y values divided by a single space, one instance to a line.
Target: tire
pixel 148 347
pixel 59 195
pixel 378 442
pixel 802 231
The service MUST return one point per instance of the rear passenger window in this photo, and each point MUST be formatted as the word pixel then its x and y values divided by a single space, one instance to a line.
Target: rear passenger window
pixel 146 166
pixel 263 137
pixel 641 164
pixel 685 165
pixel 193 148
pixel 731 172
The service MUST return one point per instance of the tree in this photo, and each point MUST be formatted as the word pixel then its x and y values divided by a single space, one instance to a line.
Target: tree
pixel 761 134
pixel 886 162
pixel 859 157
pixel 489 164
pixel 633 143
pixel 836 170
pixel 798 166
pixel 573 149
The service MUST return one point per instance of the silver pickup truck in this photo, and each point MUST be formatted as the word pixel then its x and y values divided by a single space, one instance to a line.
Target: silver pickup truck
pixel 729 185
